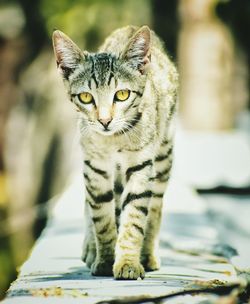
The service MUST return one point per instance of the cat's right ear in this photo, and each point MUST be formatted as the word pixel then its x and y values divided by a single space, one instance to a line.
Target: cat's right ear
pixel 68 54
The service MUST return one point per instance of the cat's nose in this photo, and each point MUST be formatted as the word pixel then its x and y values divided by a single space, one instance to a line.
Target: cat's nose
pixel 105 122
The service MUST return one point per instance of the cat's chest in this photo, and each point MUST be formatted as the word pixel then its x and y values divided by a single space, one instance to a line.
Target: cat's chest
pixel 118 146
pixel 106 149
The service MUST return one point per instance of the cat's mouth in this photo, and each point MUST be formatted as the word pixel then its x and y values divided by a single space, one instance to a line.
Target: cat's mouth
pixel 105 131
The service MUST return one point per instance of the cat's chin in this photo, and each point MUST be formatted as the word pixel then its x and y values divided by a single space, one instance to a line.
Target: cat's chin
pixel 106 132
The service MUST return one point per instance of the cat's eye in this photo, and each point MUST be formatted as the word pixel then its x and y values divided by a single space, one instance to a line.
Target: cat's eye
pixel 122 95
pixel 85 97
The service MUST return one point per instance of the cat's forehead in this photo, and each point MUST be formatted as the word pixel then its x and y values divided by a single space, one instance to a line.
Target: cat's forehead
pixel 103 59
pixel 102 62
pixel 100 71
pixel 102 67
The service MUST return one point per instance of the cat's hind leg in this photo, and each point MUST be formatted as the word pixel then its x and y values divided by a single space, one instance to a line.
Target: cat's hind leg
pixel 89 246
pixel 149 253
pixel 163 163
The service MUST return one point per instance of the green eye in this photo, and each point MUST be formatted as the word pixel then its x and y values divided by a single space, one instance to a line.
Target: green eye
pixel 85 97
pixel 122 95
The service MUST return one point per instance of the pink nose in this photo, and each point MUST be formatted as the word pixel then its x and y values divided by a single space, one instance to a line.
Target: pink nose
pixel 105 122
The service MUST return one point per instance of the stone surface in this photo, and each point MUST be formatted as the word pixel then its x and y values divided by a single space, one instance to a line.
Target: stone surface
pixel 210 159
pixel 191 255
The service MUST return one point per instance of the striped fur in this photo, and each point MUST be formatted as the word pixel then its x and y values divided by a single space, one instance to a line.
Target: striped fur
pixel 127 162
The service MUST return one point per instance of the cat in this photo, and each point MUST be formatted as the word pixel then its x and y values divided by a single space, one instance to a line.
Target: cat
pixel 126 98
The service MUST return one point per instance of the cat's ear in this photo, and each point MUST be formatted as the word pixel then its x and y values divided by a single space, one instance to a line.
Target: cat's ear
pixel 137 52
pixel 67 53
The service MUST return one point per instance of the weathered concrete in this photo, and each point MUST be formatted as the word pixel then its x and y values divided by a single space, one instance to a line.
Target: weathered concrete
pixel 191 255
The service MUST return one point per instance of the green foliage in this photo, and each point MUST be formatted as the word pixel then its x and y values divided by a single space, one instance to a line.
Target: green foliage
pixel 6 270
pixel 90 21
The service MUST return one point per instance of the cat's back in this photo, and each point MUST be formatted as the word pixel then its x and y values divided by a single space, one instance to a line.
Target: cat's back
pixel 117 41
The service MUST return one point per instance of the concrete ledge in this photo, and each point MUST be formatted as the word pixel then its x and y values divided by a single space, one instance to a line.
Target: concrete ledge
pixel 191 254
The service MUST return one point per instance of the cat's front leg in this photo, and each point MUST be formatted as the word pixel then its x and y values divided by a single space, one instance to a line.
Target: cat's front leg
pixel 135 201
pixel 99 197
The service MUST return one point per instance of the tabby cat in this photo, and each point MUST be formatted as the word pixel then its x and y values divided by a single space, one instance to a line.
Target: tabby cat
pixel 126 97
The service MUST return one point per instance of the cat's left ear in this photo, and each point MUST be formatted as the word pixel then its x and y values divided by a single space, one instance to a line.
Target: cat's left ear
pixel 138 50
pixel 68 54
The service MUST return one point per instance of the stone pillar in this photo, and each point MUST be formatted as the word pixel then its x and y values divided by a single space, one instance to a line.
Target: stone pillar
pixel 206 56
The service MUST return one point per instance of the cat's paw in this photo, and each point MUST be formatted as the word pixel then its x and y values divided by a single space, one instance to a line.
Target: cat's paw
pixel 89 253
pixel 150 262
pixel 102 268
pixel 128 270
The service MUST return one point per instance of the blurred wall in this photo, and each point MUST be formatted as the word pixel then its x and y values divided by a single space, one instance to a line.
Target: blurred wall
pixel 210 69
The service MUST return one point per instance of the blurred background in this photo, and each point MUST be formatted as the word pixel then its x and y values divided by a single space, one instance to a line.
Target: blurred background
pixel 208 40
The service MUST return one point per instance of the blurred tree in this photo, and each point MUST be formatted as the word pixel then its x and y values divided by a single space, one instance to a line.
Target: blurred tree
pixel 34 29
pixel 12 55
pixel 236 14
pixel 165 23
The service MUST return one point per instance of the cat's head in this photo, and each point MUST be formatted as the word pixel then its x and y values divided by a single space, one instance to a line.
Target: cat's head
pixel 106 88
